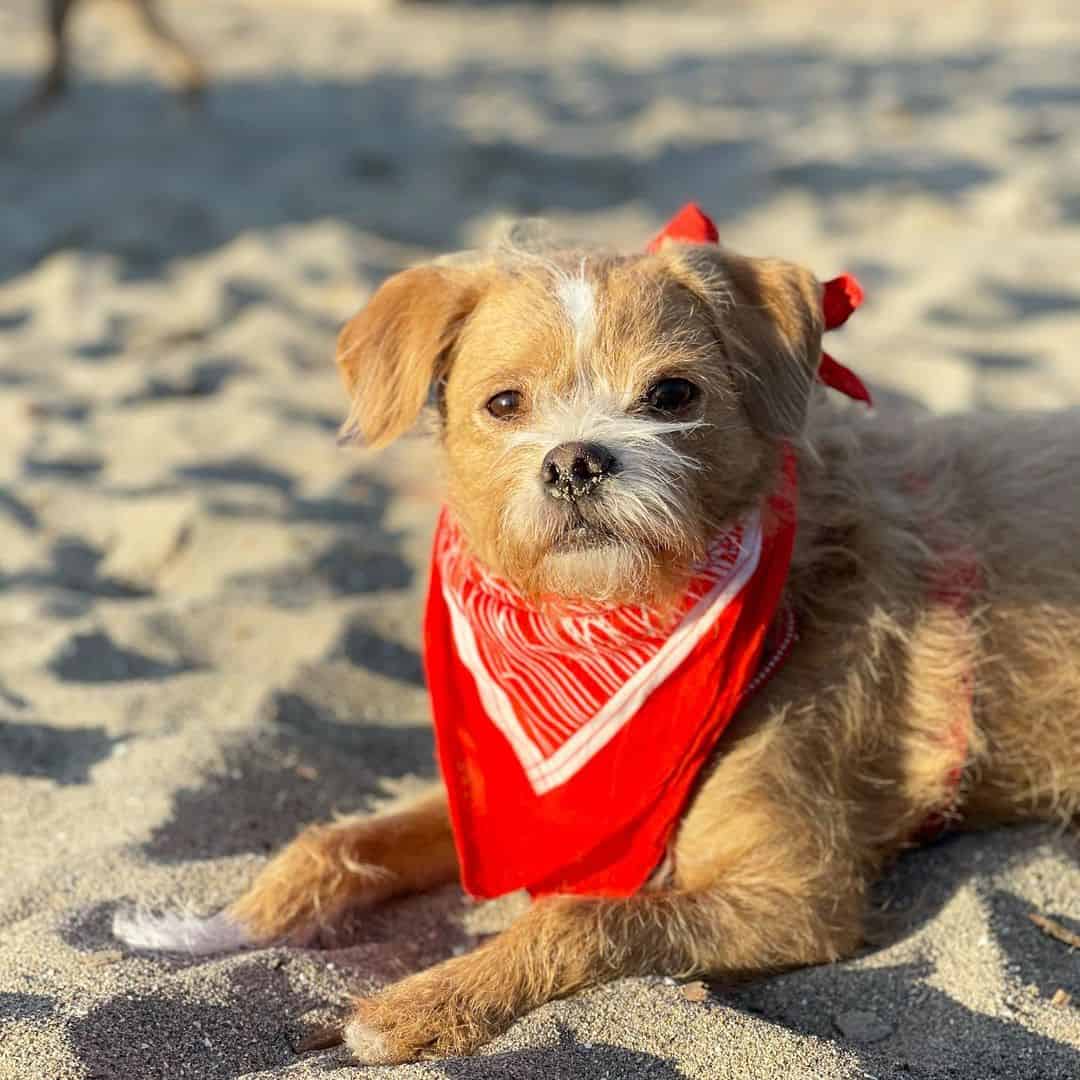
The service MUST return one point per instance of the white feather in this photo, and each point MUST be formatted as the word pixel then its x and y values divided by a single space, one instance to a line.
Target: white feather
pixel 180 932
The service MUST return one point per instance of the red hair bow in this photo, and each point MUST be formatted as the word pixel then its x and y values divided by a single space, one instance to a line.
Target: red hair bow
pixel 842 295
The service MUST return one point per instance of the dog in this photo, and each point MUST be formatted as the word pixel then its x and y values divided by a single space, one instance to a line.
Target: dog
pixel 183 65
pixel 934 579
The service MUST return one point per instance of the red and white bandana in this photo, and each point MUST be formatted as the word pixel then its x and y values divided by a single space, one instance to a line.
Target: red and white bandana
pixel 570 737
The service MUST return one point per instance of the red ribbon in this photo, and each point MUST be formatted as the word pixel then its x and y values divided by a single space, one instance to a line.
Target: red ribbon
pixel 690 225
pixel 841 296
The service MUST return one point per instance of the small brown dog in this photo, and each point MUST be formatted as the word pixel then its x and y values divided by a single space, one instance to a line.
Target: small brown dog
pixel 694 366
pixel 183 65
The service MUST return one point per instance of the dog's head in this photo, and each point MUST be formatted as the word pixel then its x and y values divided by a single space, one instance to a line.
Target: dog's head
pixel 601 416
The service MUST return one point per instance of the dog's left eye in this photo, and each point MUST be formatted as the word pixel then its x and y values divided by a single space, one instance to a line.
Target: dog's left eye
pixel 504 404
pixel 671 395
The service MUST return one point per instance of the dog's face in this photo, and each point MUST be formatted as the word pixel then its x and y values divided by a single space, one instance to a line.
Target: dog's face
pixel 601 417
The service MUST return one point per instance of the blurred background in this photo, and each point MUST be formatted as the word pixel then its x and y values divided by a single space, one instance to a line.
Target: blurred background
pixel 209 613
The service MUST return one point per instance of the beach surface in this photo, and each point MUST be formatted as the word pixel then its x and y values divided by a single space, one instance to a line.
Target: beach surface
pixel 209 612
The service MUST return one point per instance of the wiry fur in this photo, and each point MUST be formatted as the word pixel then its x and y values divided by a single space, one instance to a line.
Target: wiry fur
pixel 835 765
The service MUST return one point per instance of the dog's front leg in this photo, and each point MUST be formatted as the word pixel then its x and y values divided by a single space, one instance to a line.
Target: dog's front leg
pixel 330 870
pixel 308 888
pixel 565 944
pixel 182 63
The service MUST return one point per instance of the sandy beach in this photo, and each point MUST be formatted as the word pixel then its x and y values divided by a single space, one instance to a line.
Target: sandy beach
pixel 209 612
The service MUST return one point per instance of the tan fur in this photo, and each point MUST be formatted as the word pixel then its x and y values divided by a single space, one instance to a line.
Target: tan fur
pixel 330 870
pixel 832 769
pixel 392 352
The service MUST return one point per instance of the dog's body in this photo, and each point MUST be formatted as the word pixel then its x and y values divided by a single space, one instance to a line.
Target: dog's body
pixel 839 762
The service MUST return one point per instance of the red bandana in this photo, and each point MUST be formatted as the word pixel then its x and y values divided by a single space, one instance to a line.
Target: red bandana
pixel 570 737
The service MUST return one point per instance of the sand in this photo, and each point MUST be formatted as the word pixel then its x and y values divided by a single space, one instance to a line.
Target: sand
pixel 209 612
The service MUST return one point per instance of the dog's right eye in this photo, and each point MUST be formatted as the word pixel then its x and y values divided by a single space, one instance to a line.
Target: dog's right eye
pixel 505 404
pixel 671 396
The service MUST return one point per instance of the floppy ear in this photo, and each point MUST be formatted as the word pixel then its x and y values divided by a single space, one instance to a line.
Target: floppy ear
pixel 391 352
pixel 768 315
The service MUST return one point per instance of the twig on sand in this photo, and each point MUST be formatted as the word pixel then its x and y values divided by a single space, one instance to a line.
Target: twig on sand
pixel 322 1038
pixel 1055 930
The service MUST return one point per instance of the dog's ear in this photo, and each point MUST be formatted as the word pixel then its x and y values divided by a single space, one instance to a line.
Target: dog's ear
pixel 393 350
pixel 768 315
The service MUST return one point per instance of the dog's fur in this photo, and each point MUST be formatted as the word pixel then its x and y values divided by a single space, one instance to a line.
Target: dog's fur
pixel 833 768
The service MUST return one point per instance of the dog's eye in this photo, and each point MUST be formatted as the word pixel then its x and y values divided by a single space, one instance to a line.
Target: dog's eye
pixel 505 404
pixel 671 395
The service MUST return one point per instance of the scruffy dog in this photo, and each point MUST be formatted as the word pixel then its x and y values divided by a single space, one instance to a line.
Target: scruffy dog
pixel 681 378
pixel 182 64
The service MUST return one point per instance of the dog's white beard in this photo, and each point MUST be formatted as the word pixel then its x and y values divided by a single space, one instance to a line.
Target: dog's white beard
pixel 602 573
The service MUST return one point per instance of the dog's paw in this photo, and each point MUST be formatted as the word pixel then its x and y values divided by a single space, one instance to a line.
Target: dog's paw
pixel 180 932
pixel 427 1015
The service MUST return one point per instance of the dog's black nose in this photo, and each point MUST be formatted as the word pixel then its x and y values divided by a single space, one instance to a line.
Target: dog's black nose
pixel 575 468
